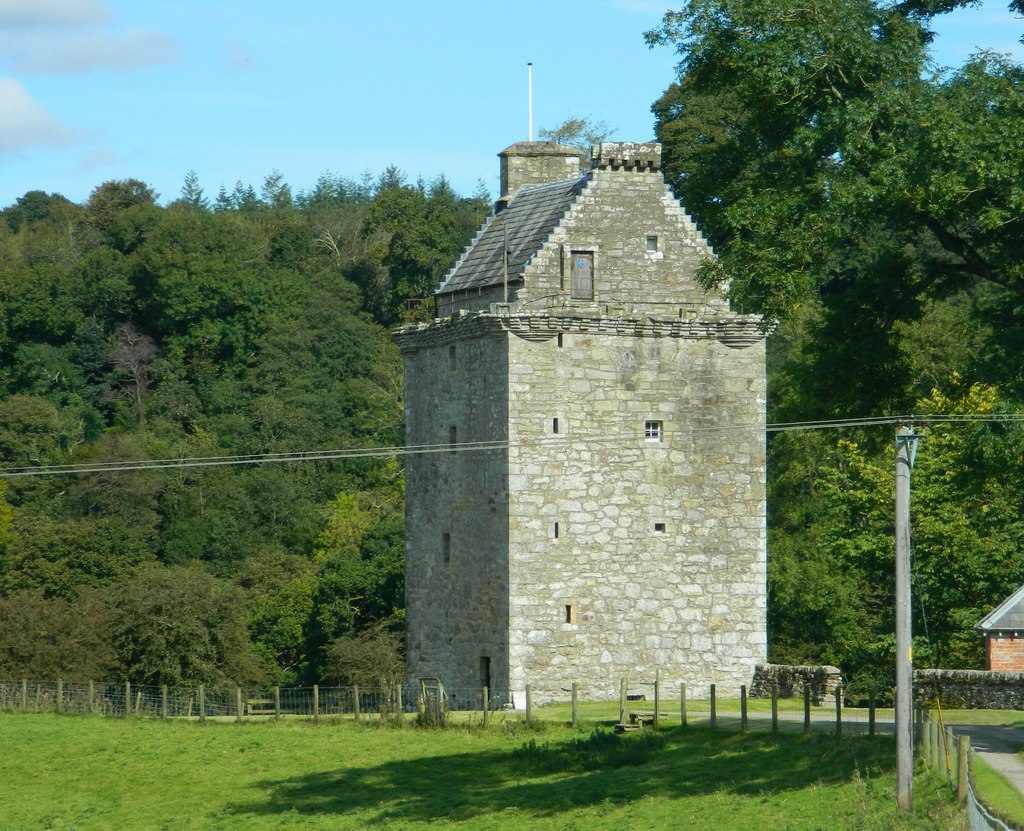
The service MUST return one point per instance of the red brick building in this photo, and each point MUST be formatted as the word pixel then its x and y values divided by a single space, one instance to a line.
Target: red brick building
pixel 1003 629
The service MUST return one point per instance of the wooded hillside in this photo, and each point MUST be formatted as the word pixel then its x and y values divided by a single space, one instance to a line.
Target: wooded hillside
pixel 258 324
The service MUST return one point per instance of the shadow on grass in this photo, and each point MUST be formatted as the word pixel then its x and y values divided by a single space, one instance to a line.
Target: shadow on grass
pixel 549 778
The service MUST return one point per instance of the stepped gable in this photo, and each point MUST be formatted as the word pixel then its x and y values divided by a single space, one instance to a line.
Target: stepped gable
pixel 526 223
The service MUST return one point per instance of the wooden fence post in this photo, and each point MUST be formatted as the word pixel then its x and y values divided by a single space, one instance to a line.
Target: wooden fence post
pixel 92 697
pixel 682 704
pixel 60 695
pixel 487 706
pixel 356 703
pixel 919 731
pixel 163 701
pixel 657 695
pixel 871 713
pixel 947 763
pixel 238 704
pixel 926 741
pixel 575 704
pixel 138 703
pixel 807 709
pixel 963 748
pixel 277 703
pixel 24 695
pixel 127 698
pixel 622 701
pixel 713 705
pixel 743 708
pixel 775 706
pixel 529 705
pixel 839 713
pixel 316 702
pixel 202 703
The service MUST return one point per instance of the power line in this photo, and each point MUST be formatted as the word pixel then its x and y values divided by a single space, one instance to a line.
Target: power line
pixel 462 447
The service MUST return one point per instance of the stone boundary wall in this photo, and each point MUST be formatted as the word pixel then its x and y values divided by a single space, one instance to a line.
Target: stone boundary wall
pixel 822 680
pixel 971 689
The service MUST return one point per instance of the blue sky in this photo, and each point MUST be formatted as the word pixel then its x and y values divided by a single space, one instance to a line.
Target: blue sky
pixel 93 90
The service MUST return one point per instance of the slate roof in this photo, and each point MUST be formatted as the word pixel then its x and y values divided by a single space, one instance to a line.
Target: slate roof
pixel 525 223
pixel 1007 615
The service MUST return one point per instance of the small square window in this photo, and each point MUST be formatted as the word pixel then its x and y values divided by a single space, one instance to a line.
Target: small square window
pixel 659 527
pixel 652 243
pixel 654 430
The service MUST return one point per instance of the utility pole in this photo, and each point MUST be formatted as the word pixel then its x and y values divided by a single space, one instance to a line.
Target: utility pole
pixel 906 447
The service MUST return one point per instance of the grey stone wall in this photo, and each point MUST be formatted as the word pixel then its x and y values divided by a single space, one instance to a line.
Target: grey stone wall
pixel 536 163
pixel 970 689
pixel 823 681
pixel 457 602
pixel 660 548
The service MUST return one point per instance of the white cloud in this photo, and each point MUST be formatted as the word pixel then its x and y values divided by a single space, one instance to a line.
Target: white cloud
pixel 26 13
pixel 90 51
pixel 24 124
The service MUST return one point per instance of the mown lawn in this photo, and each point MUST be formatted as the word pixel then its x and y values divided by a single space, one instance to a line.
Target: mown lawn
pixel 104 773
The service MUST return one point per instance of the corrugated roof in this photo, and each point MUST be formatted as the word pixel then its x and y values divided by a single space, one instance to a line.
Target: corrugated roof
pixel 526 223
pixel 1007 615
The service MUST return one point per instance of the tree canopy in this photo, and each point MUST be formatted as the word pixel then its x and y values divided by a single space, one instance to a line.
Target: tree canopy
pixel 253 323
pixel 870 202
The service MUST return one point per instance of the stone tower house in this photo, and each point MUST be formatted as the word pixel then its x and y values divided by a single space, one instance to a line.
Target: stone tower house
pixel 590 502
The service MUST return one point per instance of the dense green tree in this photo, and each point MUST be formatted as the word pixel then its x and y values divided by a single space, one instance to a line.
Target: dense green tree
pixel 48 638
pixel 181 626
pixel 807 135
pixel 192 193
pixel 582 133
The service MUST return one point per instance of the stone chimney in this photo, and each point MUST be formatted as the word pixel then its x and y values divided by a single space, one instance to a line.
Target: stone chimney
pixel 537 163
pixel 628 155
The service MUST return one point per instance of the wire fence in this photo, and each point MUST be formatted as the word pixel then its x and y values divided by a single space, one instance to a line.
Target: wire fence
pixel 200 702
pixel 951 757
pixel 643 703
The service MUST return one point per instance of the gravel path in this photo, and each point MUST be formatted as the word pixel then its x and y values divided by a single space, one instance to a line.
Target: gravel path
pixel 1000 747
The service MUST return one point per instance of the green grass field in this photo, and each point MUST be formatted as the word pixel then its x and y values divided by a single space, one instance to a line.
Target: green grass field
pixel 104 773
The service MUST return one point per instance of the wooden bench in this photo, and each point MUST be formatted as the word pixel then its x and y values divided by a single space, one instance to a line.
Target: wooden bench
pixel 260 707
pixel 641 718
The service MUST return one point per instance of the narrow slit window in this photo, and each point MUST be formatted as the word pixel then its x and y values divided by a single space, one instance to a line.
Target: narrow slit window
pixel 446 548
pixel 570 613
pixel 554 530
pixel 654 430
pixel 558 340
pixel 554 425
pixel 451 358
pixel 453 436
